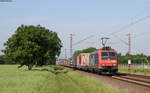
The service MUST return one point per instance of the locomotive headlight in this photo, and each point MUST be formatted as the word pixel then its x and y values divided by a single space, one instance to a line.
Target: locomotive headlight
pixel 114 64
pixel 103 64
pixel 114 61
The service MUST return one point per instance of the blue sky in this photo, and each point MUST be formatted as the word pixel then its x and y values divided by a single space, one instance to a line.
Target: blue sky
pixel 81 18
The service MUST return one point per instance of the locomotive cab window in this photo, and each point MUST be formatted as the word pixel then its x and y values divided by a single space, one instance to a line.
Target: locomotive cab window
pixel 112 55
pixel 109 55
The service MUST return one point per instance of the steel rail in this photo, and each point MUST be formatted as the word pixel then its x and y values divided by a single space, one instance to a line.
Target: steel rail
pixel 133 80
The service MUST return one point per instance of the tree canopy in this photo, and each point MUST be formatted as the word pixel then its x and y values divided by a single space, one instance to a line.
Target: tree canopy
pixel 87 50
pixel 33 45
pixel 136 59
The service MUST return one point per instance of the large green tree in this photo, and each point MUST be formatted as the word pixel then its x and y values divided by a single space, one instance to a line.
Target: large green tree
pixel 33 45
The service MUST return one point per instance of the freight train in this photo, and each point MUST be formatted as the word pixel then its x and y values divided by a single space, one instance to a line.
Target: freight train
pixel 103 60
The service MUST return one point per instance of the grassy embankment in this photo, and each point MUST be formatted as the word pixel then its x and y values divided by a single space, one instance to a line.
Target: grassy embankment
pixel 135 71
pixel 47 80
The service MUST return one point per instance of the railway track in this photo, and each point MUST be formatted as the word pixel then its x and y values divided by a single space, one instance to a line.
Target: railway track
pixel 131 78
pixel 134 79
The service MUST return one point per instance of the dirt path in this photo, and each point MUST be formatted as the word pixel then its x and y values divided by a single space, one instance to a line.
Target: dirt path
pixel 125 87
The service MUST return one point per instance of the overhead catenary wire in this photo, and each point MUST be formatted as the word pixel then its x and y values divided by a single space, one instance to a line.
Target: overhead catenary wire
pixel 120 39
pixel 88 37
pixel 142 34
pixel 130 25
pixel 139 35
pixel 133 22
pixel 120 30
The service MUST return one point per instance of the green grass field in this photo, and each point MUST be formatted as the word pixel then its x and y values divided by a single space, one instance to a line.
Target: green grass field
pixel 135 71
pixel 13 80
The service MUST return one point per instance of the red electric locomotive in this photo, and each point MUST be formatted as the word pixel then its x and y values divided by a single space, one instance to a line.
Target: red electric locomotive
pixel 104 60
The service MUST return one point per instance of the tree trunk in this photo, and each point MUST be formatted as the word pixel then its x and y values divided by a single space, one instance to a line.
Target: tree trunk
pixel 30 67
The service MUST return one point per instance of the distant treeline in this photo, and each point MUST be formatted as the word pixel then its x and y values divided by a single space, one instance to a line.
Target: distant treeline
pixel 135 59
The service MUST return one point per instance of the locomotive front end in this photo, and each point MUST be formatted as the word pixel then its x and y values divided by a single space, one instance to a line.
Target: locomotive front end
pixel 108 60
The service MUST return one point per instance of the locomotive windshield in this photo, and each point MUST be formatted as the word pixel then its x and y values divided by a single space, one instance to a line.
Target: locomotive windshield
pixel 109 55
